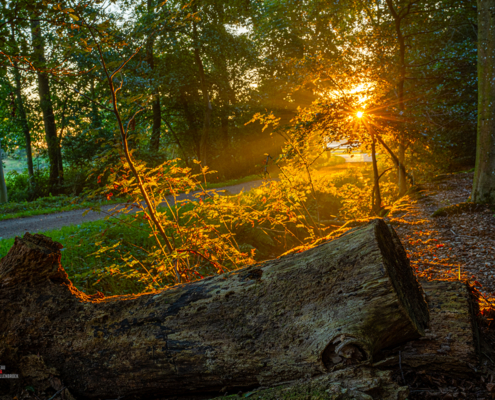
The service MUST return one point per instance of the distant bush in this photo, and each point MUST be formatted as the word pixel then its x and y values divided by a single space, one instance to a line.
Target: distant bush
pixel 21 188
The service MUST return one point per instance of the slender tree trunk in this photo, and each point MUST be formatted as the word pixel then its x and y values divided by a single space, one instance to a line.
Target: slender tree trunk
pixel 225 135
pixel 402 78
pixel 157 117
pixel 23 118
pixel 206 100
pixel 400 88
pixel 484 176
pixel 95 117
pixel 157 124
pixel 191 122
pixel 377 198
pixel 54 152
pixel 3 187
pixel 23 121
pixel 176 139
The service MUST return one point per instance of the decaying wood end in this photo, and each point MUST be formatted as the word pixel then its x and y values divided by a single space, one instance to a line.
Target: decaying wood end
pixel 326 309
pixel 452 342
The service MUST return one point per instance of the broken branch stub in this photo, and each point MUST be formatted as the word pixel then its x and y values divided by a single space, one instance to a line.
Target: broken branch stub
pixel 302 315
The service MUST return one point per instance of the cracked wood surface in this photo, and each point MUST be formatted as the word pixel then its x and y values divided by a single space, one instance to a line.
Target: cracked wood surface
pixel 299 316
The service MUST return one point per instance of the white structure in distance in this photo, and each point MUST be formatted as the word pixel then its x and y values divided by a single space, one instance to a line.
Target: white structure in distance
pixel 340 148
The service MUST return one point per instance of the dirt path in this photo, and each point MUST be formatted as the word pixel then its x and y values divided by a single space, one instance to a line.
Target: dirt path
pixel 41 223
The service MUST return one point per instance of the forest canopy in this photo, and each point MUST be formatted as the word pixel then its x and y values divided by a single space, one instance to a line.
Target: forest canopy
pixel 140 100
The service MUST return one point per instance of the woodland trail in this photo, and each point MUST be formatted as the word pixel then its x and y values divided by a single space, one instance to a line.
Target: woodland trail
pixel 441 248
pixel 41 223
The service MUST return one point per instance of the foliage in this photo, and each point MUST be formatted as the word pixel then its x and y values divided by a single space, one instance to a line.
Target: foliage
pixel 141 90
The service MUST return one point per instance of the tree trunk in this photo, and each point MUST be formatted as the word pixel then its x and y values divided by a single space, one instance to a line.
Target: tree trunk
pixel 156 108
pixel 177 141
pixel 95 114
pixel 206 100
pixel 22 115
pixel 484 176
pixel 452 342
pixel 54 153
pixel 3 187
pixel 376 206
pixel 191 122
pixel 398 16
pixel 299 316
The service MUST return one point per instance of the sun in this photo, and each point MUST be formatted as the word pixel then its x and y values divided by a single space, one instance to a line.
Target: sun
pixel 360 114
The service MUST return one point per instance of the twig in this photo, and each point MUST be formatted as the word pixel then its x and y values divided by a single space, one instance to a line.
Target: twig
pixel 55 395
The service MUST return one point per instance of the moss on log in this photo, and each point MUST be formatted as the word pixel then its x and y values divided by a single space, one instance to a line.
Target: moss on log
pixel 299 316
pixel 355 383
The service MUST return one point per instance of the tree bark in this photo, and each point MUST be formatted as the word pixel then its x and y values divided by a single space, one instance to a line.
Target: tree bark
pixel 54 153
pixel 484 175
pixel 3 187
pixel 303 315
pixel 191 122
pixel 398 15
pixel 156 108
pixel 452 341
pixel 22 114
pixel 95 114
pixel 376 206
pixel 206 100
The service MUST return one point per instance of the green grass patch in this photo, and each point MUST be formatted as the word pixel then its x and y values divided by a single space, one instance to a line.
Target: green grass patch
pixel 56 204
pixel 49 205
pixel 460 208
pixel 90 273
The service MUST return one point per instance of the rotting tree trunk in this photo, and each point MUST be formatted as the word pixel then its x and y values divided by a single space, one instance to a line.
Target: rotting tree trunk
pixel 452 342
pixel 356 383
pixel 303 315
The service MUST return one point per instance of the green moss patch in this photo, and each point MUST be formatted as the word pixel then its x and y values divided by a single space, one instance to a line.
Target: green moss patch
pixel 460 208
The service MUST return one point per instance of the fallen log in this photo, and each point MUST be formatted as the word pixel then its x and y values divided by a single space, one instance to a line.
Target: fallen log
pixel 452 341
pixel 303 315
pixel 354 383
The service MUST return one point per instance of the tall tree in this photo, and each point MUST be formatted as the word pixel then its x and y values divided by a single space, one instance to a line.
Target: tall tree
pixel 53 143
pixel 3 186
pixel 156 108
pixel 21 111
pixel 484 176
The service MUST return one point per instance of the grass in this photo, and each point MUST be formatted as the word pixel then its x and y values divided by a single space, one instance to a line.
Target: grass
pixel 19 164
pixel 49 205
pixel 56 204
pixel 91 273
pixel 108 272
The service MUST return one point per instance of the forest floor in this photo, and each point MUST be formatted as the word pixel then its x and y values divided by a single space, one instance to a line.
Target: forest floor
pixel 458 244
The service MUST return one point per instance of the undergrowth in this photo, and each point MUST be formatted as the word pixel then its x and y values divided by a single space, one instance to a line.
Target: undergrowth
pixel 119 256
